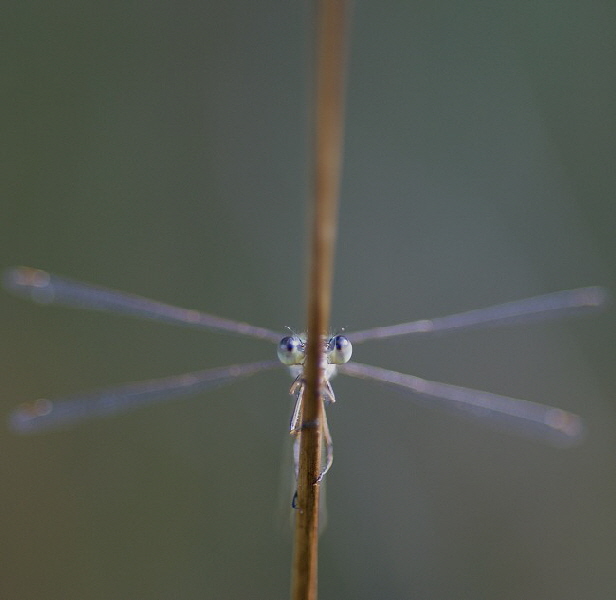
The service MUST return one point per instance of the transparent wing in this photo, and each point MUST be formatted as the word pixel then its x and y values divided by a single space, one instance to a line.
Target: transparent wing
pixel 46 288
pixel 530 418
pixel 43 414
pixel 556 304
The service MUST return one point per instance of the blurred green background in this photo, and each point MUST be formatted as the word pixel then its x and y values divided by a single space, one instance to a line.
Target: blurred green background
pixel 161 148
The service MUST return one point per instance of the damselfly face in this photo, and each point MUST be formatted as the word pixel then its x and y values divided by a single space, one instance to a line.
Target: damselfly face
pixel 337 350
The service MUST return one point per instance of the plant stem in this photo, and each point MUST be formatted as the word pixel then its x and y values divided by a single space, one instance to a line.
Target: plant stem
pixel 329 108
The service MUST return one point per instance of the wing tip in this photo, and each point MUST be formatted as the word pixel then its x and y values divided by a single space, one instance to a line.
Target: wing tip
pixel 27 417
pixel 594 296
pixel 569 429
pixel 29 282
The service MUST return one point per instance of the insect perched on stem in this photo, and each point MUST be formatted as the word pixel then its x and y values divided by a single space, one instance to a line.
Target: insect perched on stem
pixel 545 422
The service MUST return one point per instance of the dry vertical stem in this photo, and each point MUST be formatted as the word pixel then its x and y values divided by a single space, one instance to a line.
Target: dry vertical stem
pixel 329 108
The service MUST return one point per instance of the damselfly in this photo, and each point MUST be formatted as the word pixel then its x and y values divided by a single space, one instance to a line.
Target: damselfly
pixel 545 422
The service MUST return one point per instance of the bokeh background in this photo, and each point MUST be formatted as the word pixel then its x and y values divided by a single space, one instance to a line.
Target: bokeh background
pixel 161 147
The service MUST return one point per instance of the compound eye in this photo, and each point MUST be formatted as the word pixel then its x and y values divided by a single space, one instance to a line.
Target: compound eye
pixel 339 350
pixel 291 350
